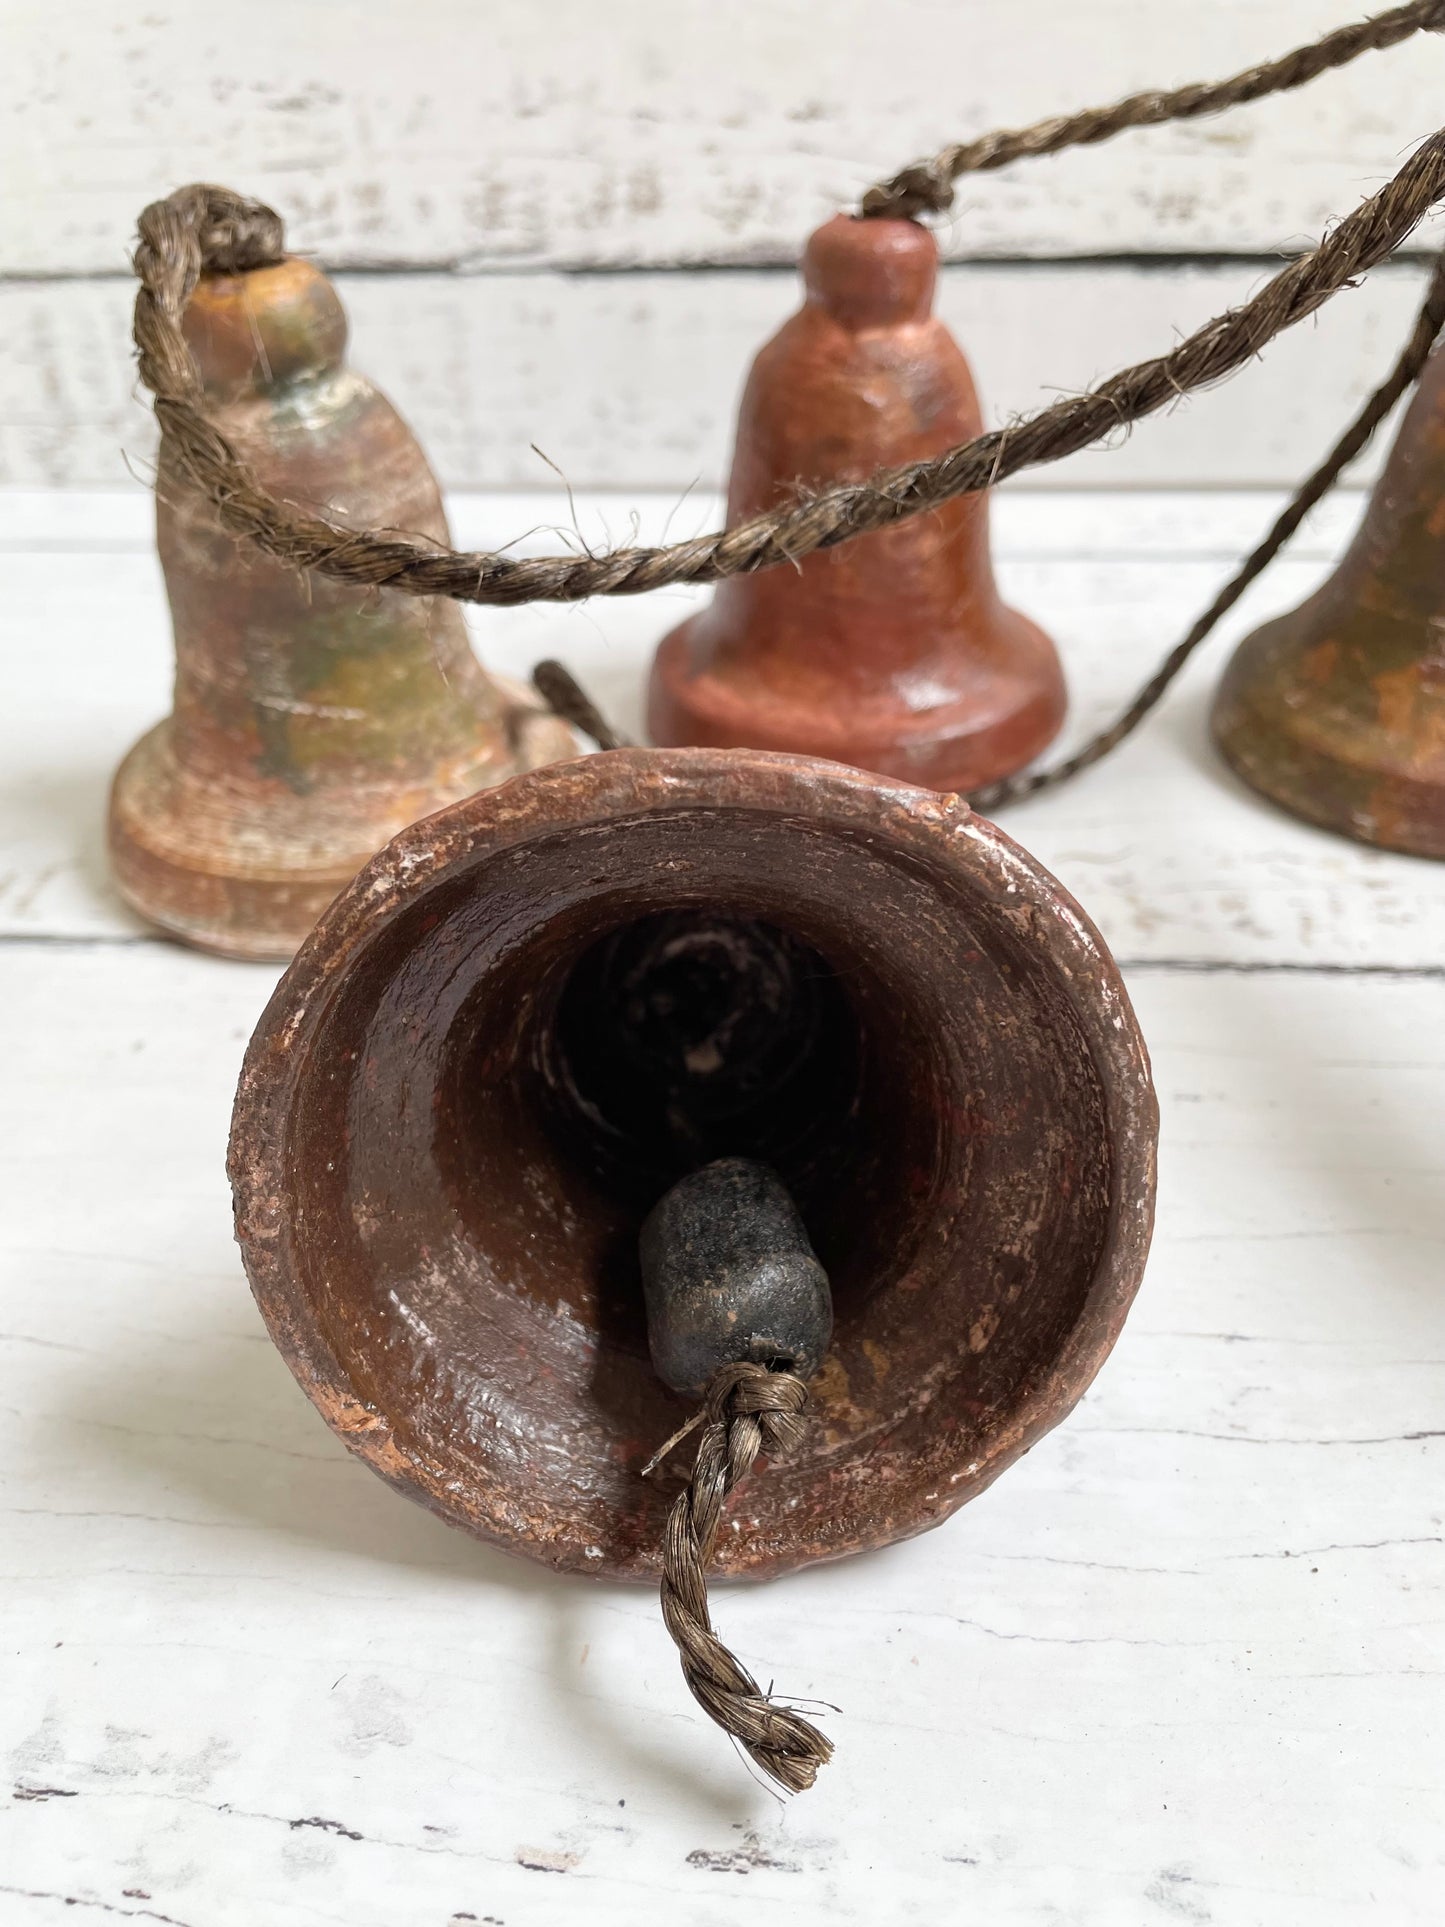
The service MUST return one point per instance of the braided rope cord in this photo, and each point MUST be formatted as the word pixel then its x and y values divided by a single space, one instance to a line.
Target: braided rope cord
pixel 748 1409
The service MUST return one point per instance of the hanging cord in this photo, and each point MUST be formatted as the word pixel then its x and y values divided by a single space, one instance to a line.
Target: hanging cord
pixel 748 1409
pixel 926 187
pixel 202 228
pixel 1401 378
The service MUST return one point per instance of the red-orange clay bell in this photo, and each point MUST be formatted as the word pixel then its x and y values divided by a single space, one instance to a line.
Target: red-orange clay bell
pixel 312 720
pixel 1336 711
pixel 893 651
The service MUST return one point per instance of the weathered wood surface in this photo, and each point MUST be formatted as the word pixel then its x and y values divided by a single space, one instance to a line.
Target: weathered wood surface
pixel 1181 1664
pixel 445 135
pixel 631 380
pixel 1173 858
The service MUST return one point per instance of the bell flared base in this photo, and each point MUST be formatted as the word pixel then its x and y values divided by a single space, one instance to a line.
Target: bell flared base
pixel 1305 744
pixel 991 727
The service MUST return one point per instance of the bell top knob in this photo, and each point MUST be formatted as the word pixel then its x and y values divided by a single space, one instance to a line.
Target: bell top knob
pixel 871 273
pixel 251 331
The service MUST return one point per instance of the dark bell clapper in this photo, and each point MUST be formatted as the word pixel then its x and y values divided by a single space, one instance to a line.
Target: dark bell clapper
pixel 729 1275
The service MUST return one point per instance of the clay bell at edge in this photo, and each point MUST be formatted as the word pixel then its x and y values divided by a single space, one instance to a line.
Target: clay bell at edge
pixel 1336 711
pixel 893 651
pixel 312 720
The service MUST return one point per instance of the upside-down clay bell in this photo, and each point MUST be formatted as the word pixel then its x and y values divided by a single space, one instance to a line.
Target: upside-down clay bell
pixel 533 1014
pixel 1337 710
pixel 892 651
pixel 312 720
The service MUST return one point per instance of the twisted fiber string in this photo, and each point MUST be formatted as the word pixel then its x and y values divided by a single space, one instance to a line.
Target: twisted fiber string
pixel 926 187
pixel 748 1409
pixel 1401 378
pixel 202 228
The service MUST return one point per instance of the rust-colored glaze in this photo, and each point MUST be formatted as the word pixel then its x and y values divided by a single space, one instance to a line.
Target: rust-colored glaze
pixel 312 721
pixel 892 651
pixel 1337 710
pixel 443 1144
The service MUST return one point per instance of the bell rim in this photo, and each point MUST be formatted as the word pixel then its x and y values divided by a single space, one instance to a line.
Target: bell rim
pixel 616 785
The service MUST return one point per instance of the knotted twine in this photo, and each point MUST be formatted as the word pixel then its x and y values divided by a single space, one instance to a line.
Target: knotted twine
pixel 748 1409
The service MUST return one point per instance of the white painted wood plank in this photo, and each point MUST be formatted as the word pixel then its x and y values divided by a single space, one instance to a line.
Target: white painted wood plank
pixel 630 381
pixel 1182 1663
pixel 1170 855
pixel 442 133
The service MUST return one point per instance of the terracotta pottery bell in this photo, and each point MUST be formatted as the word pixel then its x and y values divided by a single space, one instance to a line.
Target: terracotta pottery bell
pixel 312 720
pixel 533 1013
pixel 892 651
pixel 1337 710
